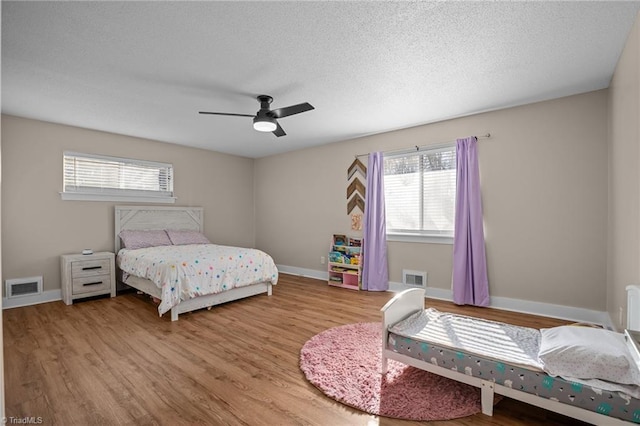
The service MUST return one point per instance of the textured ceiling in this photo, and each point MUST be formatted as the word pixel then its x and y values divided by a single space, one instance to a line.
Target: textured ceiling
pixel 146 68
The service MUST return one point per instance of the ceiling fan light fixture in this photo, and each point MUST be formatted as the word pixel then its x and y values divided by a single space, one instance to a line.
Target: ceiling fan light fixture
pixel 264 124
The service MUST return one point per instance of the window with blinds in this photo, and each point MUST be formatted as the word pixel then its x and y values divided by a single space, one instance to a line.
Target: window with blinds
pixel 98 177
pixel 420 193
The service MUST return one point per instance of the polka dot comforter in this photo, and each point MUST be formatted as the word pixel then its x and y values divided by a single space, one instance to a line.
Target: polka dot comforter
pixel 188 271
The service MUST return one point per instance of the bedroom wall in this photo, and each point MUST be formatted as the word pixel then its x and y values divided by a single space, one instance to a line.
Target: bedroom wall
pixel 1 326
pixel 624 178
pixel 38 227
pixel 544 185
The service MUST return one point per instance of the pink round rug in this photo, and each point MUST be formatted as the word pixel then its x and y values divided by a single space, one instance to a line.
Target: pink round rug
pixel 344 363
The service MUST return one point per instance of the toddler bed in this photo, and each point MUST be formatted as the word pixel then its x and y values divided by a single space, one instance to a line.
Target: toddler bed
pixel 161 251
pixel 529 365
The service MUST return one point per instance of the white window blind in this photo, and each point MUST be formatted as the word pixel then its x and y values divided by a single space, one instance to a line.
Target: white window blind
pixel 99 177
pixel 420 192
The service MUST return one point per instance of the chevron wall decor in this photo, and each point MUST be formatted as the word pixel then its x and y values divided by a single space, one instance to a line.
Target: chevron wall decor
pixel 357 167
pixel 355 201
pixel 356 190
pixel 355 185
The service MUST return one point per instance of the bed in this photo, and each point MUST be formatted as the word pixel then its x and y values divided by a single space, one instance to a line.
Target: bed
pixel 456 347
pixel 212 275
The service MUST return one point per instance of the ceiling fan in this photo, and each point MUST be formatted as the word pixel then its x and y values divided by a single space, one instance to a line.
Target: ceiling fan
pixel 265 120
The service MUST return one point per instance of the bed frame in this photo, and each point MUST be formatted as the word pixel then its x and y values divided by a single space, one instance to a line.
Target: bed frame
pixel 187 218
pixel 409 301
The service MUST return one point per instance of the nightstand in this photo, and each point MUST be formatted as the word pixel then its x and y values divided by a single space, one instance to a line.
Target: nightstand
pixel 87 275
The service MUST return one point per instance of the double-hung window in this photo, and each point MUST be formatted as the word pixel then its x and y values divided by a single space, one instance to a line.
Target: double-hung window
pixel 102 178
pixel 420 194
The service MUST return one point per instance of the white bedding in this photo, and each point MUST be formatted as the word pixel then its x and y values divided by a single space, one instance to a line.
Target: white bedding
pixel 493 340
pixel 187 271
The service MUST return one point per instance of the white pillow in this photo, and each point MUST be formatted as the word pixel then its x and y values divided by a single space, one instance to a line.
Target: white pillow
pixel 587 353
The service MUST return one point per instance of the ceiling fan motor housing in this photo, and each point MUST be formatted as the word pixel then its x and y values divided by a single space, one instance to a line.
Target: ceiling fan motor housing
pixel 265 101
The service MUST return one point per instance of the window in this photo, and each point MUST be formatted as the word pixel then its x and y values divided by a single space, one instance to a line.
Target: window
pixel 102 178
pixel 420 195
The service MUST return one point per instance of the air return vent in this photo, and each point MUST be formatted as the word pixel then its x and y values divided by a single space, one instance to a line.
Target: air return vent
pixel 20 287
pixel 414 278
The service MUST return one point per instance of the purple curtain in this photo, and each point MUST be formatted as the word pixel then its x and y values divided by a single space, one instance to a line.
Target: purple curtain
pixel 470 283
pixel 375 272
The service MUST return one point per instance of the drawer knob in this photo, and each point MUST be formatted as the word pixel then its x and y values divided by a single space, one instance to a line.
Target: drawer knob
pixel 93 283
pixel 89 268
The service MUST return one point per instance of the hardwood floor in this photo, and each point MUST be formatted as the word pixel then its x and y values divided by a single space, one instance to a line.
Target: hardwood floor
pixel 113 361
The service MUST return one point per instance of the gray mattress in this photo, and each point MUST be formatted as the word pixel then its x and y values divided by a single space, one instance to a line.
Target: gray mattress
pixel 517 376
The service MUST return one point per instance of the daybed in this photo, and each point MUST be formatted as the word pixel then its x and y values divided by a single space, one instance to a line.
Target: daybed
pixel 194 274
pixel 507 360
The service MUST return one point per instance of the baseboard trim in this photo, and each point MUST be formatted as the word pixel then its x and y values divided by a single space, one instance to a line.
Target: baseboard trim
pixel 568 313
pixel 44 297
pixel 550 310
pixel 304 272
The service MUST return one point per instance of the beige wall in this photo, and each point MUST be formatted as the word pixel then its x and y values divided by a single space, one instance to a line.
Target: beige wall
pixel 38 227
pixel 624 177
pixel 544 186
pixel 544 194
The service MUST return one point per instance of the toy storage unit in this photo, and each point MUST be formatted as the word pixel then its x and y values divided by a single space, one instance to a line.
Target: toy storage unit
pixel 345 262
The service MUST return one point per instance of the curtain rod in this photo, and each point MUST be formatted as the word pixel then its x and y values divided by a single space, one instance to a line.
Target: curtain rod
pixel 435 145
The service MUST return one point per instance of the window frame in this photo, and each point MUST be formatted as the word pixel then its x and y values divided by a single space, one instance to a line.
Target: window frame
pixel 117 194
pixel 418 236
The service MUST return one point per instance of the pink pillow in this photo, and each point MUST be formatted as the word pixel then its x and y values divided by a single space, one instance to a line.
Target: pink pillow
pixel 133 239
pixel 183 237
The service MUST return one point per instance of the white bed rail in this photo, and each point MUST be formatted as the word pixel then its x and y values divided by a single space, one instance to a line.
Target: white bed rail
pixel 398 308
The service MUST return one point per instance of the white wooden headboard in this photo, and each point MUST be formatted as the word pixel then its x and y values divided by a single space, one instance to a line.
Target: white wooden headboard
pixel 151 217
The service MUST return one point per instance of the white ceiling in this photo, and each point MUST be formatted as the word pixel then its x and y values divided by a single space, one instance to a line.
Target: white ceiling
pixel 146 68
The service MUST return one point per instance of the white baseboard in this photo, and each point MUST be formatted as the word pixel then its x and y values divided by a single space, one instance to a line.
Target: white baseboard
pixel 568 313
pixel 304 272
pixel 556 311
pixel 44 297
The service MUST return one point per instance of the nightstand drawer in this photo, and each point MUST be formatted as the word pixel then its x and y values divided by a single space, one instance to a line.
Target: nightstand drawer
pixel 90 268
pixel 91 284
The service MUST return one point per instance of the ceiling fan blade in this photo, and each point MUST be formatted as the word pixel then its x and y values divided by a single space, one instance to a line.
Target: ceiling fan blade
pixel 291 110
pixel 278 131
pixel 227 113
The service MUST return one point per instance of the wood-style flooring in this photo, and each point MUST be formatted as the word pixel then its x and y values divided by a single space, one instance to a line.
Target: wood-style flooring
pixel 113 361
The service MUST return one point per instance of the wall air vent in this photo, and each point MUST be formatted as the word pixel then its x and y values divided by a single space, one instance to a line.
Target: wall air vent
pixel 414 278
pixel 20 287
